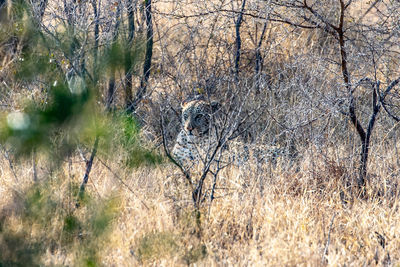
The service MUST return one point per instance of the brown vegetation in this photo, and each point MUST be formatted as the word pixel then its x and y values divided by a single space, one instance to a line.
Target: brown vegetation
pixel 318 79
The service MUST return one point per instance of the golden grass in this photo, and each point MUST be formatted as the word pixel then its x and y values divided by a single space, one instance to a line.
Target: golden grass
pixel 259 217
pixel 286 223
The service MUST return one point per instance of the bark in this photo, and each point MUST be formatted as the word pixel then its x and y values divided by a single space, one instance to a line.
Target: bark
pixel 238 40
pixel 111 82
pixel 96 11
pixel 89 164
pixel 147 61
pixel 128 65
pixel 259 59
pixel 42 9
pixel 364 138
pixel 34 166
pixel 377 103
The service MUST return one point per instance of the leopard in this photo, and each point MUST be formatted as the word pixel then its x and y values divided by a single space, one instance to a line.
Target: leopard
pixel 194 140
pixel 197 138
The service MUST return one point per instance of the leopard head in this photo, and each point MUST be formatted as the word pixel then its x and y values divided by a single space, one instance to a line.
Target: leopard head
pixel 196 115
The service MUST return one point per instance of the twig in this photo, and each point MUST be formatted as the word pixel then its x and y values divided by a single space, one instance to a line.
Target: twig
pixel 87 172
pixel 122 182
pixel 147 60
pixel 10 163
pixel 368 10
pixel 394 117
pixel 185 173
pixel 238 40
pixel 212 197
pixel 221 10
pixel 328 240
pixel 34 165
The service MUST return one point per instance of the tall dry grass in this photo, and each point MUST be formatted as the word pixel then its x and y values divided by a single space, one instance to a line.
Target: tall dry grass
pixel 309 215
pixel 260 217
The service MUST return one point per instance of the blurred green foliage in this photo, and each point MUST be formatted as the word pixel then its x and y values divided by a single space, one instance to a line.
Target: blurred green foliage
pixel 18 249
pixel 37 126
pixel 69 116
pixel 122 55
pixel 39 123
pixel 39 207
pixel 130 141
pixel 71 227
pixel 48 223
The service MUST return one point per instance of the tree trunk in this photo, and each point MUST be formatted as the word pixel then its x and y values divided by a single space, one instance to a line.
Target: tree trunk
pixel 258 65
pixel 96 11
pixel 111 82
pixel 3 11
pixel 42 9
pixel 238 41
pixel 128 65
pixel 147 61
pixel 352 113
pixel 89 164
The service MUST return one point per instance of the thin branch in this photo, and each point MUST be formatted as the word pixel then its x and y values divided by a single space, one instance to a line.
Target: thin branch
pixel 257 67
pixel 238 40
pixel 368 10
pixel 128 64
pixel 35 178
pixel 397 119
pixel 215 175
pixel 2 3
pixel 218 11
pixel 168 154
pixel 319 16
pixel 328 240
pixel 111 82
pixel 148 58
pixel 123 183
pixel 96 11
pixel 383 95
pixel 7 156
pixel 87 172
pixel 250 115
pixel 389 88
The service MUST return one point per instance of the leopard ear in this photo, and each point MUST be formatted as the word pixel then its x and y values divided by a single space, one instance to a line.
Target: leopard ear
pixel 184 103
pixel 215 106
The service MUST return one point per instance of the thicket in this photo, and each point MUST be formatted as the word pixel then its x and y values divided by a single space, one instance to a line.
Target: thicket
pixel 104 80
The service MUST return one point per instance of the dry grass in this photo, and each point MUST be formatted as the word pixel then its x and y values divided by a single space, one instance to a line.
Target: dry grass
pixel 260 217
pixel 290 220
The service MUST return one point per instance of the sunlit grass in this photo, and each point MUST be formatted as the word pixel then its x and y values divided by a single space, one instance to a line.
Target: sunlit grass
pixel 138 210
pixel 286 222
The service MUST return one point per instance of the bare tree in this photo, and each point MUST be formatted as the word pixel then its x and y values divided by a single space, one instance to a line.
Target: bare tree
pixel 128 66
pixel 227 123
pixel 89 33
pixel 238 23
pixel 115 33
pixel 356 55
pixel 148 57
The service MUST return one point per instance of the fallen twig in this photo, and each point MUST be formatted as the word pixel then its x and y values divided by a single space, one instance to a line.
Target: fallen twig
pixel 324 260
pixel 122 182
pixel 89 164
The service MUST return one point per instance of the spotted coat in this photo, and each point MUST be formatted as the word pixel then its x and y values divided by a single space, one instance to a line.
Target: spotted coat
pixel 195 140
